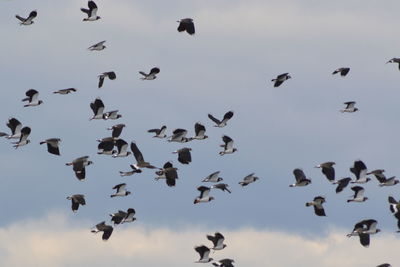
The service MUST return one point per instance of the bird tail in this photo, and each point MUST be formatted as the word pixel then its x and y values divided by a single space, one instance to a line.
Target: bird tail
pixel 309 204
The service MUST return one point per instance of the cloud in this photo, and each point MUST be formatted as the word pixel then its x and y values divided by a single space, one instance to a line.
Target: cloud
pixel 55 240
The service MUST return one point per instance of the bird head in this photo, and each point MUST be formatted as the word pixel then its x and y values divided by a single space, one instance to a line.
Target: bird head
pixel 396 181
pixel 219 179
pixel 89 162
pixel 128 192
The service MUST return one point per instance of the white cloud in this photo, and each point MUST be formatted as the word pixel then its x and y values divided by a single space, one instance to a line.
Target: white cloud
pixel 58 241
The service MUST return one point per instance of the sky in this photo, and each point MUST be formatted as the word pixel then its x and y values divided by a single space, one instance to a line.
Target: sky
pixel 239 46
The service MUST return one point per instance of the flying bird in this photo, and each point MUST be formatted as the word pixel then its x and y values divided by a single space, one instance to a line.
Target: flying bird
pixel 358 194
pixel 394 60
pixel 77 200
pixel 140 162
pixel 97 47
pixel 221 186
pixel 328 170
pixel 169 173
pixel 122 147
pixel 111 115
pixel 106 146
pixel 317 204
pixel 121 190
pixel 159 133
pixel 204 253
pixel 224 263
pixel 23 140
pixel 32 98
pixel 225 119
pixel 251 178
pixel 184 155
pixel 364 229
pixel 383 181
pixel 15 127
pixel 342 184
pixel 65 91
pixel 121 217
pixel 98 108
pixel 109 74
pixel 116 130
pixel 29 19
pixel 186 25
pixel 218 241
pixel 151 75
pixel 280 79
pixel 204 197
pixel 200 131
pixel 343 71
pixel 213 178
pixel 395 209
pixel 52 145
pixel 78 166
pixel 91 12
pixel 350 107
pixel 301 179
pixel 359 169
pixel 228 146
pixel 178 135
pixel 106 229
pixel 133 171
pixel 384 265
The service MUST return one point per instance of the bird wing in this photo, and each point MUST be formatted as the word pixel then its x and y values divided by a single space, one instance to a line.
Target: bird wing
pixel 136 152
pixel 25 132
pixel 204 190
pixel 93 9
pixel 199 129
pixel 20 18
pixel 228 116
pixel 299 175
pixel 350 104
pixel 111 75
pixel 364 239
pixel 184 156
pixel 32 94
pixel 154 71
pixel 358 191
pixel 14 125
pixel 217 121
pixel 107 145
pixel 120 187
pixel 329 172
pixel 122 146
pixel 97 106
pixel 101 81
pixel 342 184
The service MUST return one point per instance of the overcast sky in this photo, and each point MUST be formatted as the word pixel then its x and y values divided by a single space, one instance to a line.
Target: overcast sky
pixel 239 46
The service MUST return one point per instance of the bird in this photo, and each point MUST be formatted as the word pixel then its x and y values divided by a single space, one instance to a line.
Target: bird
pixel 224 263
pixel 151 75
pixel 159 133
pixel 52 145
pixel 111 115
pixel 251 178
pixel 395 209
pixel 140 162
pixel 106 229
pixel 204 197
pixel 106 146
pixel 204 253
pixel 169 173
pixel 32 98
pixel 78 166
pixel 358 194
pixel 98 108
pixel 179 135
pixel 109 74
pixel 121 191
pixel 359 169
pixel 221 123
pixel 65 91
pixel 218 241
pixel 394 60
pixel 384 265
pixel 200 131
pixel 221 186
pixel 364 229
pixel 184 155
pixel 91 12
pixel 23 140
pixel 342 184
pixel 349 107
pixel 186 25
pixel 77 200
pixel 122 147
pixel 29 19
pixel 116 130
pixel 97 47
pixel 301 179
pixel 343 71
pixel 328 170
pixel 383 181
pixel 280 79
pixel 228 146
pixel 133 171
pixel 213 178
pixel 317 204
pixel 15 127
pixel 121 217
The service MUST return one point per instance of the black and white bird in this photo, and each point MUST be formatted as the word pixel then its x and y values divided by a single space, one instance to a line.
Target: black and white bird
pixel 106 146
pixel 317 204
pixel 184 155
pixel 109 74
pixel 65 91
pixel 29 19
pixel 395 60
pixel 218 241
pixel 106 229
pixel 200 131
pixel 23 140
pixel 121 217
pixel 15 127
pixel 169 172
pixel 91 12
pixel 384 265
pixel 213 178
pixel 131 172
pixel 116 130
pixel 140 162
pixel 358 194
pixel 360 170
pixel 343 71
pixel 364 229
pixel 301 179
pixel 179 135
pixel 228 146
pixel 225 119
pixel 342 184
pixel 204 253
pixel 383 181
pixel 186 25
pixel 350 107
pixel 111 115
pixel 78 166
pixel 204 197
pixel 98 108
pixel 97 47
pixel 151 75
pixel 280 79
pixel 52 145
pixel 121 190
pixel 77 200
pixel 395 209
pixel 328 170
pixel 159 133
pixel 221 186
pixel 32 98
pixel 122 149
pixel 224 263
pixel 251 178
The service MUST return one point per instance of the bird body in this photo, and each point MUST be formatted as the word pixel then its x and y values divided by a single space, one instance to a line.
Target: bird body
pixel 301 179
pixel 280 79
pixel 317 204
pixel 65 91
pixel 151 75
pixel 221 123
pixel 328 170
pixel 184 155
pixel 213 178
pixel 77 200
pixel 251 178
pixel 23 140
pixel 358 194
pixel 228 146
pixel 91 12
pixel 29 19
pixel 109 74
pixel 121 190
pixel 159 133
pixel 350 107
pixel 204 197
pixel 52 145
pixel 218 241
pixel 186 25
pixel 97 47
pixel 221 186
pixel 343 71
pixel 204 253
pixel 32 98
pixel 106 229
